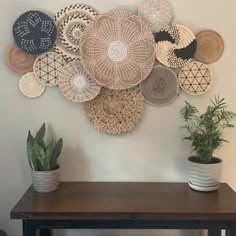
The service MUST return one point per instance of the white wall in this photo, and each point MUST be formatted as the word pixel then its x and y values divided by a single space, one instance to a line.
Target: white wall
pixel 152 152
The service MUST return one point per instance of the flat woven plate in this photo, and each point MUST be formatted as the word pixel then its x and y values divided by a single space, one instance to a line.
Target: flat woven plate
pixel 118 50
pixel 116 112
pixel 30 86
pixel 156 13
pixel 161 87
pixel 210 46
pixel 34 32
pixel 195 78
pixel 71 22
pixel 76 85
pixel 175 46
pixel 19 61
pixel 47 68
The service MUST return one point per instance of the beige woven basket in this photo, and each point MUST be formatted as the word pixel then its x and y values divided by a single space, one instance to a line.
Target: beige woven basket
pixel 115 52
pixel 195 78
pixel 76 85
pixel 115 112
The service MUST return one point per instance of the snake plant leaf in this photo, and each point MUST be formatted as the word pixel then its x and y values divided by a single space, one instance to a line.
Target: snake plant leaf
pixel 38 153
pixel 48 153
pixel 56 153
pixel 29 145
pixel 40 135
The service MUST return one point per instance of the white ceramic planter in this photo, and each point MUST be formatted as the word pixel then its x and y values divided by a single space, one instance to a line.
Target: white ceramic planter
pixel 46 181
pixel 204 177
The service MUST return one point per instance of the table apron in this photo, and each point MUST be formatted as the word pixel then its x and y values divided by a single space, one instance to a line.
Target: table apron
pixel 129 224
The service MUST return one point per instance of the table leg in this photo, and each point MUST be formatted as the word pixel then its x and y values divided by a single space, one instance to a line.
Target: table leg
pixel 45 232
pixel 232 230
pixel 214 232
pixel 29 228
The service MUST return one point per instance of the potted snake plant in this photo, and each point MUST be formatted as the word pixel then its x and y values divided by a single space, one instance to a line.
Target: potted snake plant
pixel 43 160
pixel 205 132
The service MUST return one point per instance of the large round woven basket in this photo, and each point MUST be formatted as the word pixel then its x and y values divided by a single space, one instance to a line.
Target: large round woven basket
pixel 118 50
pixel 116 112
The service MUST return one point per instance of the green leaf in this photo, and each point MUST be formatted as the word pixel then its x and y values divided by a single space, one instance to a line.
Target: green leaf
pixel 38 153
pixel 40 136
pixel 41 133
pixel 56 153
pixel 29 144
pixel 49 153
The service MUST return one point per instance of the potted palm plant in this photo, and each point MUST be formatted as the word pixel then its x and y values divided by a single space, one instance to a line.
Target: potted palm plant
pixel 43 160
pixel 205 132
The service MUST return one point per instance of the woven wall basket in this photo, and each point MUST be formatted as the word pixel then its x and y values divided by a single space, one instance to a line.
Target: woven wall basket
pixel 161 87
pixel 195 78
pixel 34 32
pixel 156 13
pixel 118 50
pixel 76 85
pixel 47 68
pixel 175 46
pixel 71 22
pixel 116 112
pixel 19 61
pixel 30 86
pixel 210 46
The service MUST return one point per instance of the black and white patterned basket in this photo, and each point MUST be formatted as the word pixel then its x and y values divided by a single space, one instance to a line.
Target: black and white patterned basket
pixel 34 32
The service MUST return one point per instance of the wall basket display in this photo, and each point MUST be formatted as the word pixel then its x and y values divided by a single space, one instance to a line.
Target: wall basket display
pixel 195 78
pixel 47 68
pixel 19 61
pixel 210 46
pixel 71 22
pixel 156 13
pixel 161 87
pixel 175 46
pixel 116 112
pixel 118 50
pixel 34 32
pixel 76 85
pixel 114 61
pixel 30 86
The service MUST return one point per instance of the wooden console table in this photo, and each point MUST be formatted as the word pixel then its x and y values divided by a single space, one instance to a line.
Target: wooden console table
pixel 93 205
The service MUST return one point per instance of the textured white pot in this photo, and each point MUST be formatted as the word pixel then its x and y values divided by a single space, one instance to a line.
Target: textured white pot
pixel 204 177
pixel 46 181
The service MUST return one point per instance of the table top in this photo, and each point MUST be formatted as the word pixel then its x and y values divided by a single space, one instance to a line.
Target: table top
pixel 123 201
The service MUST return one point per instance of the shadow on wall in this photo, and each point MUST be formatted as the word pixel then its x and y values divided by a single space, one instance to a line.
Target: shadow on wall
pixel 74 164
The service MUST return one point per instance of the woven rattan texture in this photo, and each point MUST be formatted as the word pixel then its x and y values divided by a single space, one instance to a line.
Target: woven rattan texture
pixel 34 32
pixel 118 50
pixel 19 61
pixel 156 13
pixel 195 78
pixel 47 68
pixel 175 46
pixel 210 46
pixel 30 86
pixel 116 112
pixel 76 85
pixel 161 87
pixel 71 22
